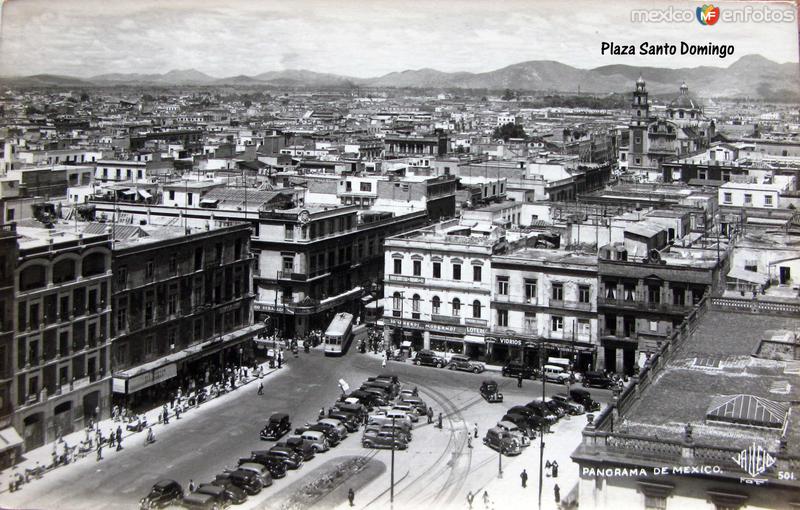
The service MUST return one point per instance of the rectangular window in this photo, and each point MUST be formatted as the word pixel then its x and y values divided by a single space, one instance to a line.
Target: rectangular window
pixel 398 266
pixel 558 292
pixel 198 259
pixel 530 323
pixel 476 273
pixel 437 269
pixel 456 271
pixel 366 186
pixel 288 264
pixel 530 290
pixel 583 293
pixel 502 285
pixel 748 198
pixel 288 233
pixel 417 267
pixel 122 277
pixel 122 317
pixel 557 323
pixel 768 200
pixel 172 304
pixel 727 198
pixel 149 269
pixel 502 318
pixel 655 503
pixel 173 264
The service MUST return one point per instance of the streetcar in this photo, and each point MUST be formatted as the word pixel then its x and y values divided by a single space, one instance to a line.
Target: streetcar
pixel 339 334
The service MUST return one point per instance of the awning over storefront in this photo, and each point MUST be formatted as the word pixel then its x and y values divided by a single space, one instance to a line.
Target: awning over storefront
pixel 129 192
pixel 145 193
pixel 9 438
pixel 472 339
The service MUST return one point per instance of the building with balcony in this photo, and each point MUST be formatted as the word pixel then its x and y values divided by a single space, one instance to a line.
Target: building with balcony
pixel 182 303
pixel 397 146
pixel 644 296
pixel 10 440
pixel 62 332
pixel 543 305
pixel 709 422
pixel 315 260
pixel 438 286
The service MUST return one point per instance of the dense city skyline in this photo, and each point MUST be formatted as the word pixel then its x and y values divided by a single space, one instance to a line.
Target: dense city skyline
pixel 83 38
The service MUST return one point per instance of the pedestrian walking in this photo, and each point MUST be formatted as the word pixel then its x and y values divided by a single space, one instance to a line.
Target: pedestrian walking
pixel 119 434
pixel 557 493
pixel 430 415
pixel 99 452
pixel 485 498
pixel 547 467
pixel 111 438
pixel 178 412
pixel 519 380
pixel 280 360
pixel 469 441
pixel 260 388
pixel 166 414
pixel 383 363
pixel 554 466
pixel 470 498
pixel 321 413
pixel 192 486
pixel 524 477
pixel 440 420
pixel 475 433
pixel 351 495
pixel 151 438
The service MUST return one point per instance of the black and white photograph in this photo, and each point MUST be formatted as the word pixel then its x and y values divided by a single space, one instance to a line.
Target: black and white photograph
pixel 385 255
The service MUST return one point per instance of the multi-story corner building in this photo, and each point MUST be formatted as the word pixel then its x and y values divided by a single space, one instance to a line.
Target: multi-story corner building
pixel 182 305
pixel 544 303
pixel 315 260
pixel 438 285
pixel 644 296
pixel 62 331
pixel 11 446
pixel 709 422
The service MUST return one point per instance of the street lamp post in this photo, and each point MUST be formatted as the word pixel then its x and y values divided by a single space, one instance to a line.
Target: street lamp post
pixel 544 424
pixel 391 487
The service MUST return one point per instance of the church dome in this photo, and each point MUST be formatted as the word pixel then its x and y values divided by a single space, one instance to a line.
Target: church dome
pixel 683 101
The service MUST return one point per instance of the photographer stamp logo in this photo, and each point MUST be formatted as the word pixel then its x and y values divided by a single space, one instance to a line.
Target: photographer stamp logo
pixel 707 15
pixel 754 461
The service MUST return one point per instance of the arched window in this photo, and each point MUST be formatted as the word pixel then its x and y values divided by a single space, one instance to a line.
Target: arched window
pixel 476 309
pixel 32 277
pixel 397 301
pixel 64 271
pixel 436 305
pixel 456 307
pixel 93 264
pixel 415 303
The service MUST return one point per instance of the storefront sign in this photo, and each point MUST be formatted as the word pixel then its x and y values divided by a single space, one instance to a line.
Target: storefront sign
pixel 152 377
pixel 510 341
pixel 405 279
pixel 427 326
pixel 271 308
pixel 471 330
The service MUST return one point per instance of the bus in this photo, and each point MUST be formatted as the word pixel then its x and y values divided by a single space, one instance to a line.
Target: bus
pixel 339 334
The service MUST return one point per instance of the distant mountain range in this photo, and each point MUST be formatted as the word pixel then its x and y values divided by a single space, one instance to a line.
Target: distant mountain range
pixel 751 75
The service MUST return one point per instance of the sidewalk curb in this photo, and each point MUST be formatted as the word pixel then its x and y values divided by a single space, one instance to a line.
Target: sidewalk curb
pixel 21 467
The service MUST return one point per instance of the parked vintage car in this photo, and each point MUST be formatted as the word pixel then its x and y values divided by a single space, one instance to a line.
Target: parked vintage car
pixel 277 425
pixel 416 402
pixel 408 409
pixel 429 358
pixel 202 501
pixel 245 480
pixel 584 398
pixel 515 369
pixel 317 439
pixel 526 424
pixel 383 439
pixel 555 374
pixel 563 400
pixel 292 459
pixel 162 494
pixel 520 433
pixel 399 431
pixel 490 392
pixel 259 470
pixel 277 468
pixel 299 445
pixel 230 494
pixel 542 410
pixel 349 421
pixel 331 435
pixel 461 362
pixel 502 441
pixel 597 379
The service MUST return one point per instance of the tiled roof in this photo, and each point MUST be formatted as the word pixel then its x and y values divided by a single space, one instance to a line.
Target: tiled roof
pixel 748 410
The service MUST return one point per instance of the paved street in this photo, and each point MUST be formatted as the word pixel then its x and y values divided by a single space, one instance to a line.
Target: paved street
pixel 437 469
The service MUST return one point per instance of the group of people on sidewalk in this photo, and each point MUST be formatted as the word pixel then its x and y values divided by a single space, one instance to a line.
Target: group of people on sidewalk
pixel 95 441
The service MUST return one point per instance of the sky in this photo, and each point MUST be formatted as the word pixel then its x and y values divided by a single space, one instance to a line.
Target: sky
pixel 360 38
